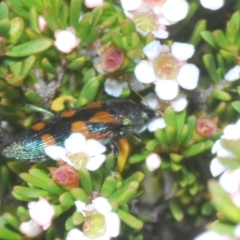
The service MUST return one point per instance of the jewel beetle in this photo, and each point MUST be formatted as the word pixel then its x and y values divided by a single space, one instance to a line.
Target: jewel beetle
pixel 103 121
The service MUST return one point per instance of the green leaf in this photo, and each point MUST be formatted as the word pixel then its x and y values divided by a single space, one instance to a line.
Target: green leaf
pixel 77 63
pixel 16 30
pixel 225 229
pixel 85 180
pixel 29 48
pixel 36 3
pixel 90 89
pixel 180 120
pixel 7 234
pixel 136 158
pixel 208 37
pixel 210 65
pixel 3 10
pixel 236 105
pixel 177 212
pixel 197 148
pixel 4 27
pixel 75 10
pixel 27 65
pixel 30 192
pixel 196 34
pixel 221 95
pixel 79 194
pixel 171 134
pixel 130 220
pixel 129 194
pixel 231 32
pixel 136 177
pixel 40 173
pixel 77 218
pixel 50 17
pixel 235 18
pixel 108 186
pixel 221 39
pixel 228 55
pixel 66 199
pixel 170 117
pixel 161 137
pixel 18 167
pixel 30 179
pixel 223 203
pixel 11 220
pixel 231 145
pixel 54 188
pixel 33 97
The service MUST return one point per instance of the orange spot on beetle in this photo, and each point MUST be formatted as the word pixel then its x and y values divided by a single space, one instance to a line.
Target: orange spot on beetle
pixel 81 127
pixel 68 113
pixel 103 117
pixel 48 140
pixel 93 105
pixel 38 126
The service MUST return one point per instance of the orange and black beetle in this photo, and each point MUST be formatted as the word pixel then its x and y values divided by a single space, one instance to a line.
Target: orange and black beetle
pixel 103 121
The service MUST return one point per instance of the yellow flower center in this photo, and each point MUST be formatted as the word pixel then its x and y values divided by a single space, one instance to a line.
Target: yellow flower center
pixel 166 66
pixel 79 160
pixel 145 21
pixel 94 225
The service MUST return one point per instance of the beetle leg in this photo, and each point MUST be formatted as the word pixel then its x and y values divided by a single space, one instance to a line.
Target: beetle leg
pixel 137 137
pixel 115 150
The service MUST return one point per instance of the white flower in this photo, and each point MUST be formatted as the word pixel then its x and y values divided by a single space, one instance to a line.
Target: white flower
pixel 93 3
pixel 114 87
pixel 213 4
pixel 42 23
pixel 153 162
pixel 79 152
pixel 30 229
pixel 153 16
pixel 66 40
pixel 230 132
pixel 211 235
pixel 110 225
pixel 168 70
pixel 230 180
pixel 41 213
pixel 233 74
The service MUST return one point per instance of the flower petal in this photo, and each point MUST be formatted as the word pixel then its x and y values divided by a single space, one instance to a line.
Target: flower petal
pixel 216 168
pixel 80 206
pixel 144 72
pixel 230 180
pixel 41 212
pixel 153 162
pixel 175 10
pixel 155 124
pixel 209 235
pixel 151 101
pixel 113 224
pixel 152 50
pixel 95 162
pixel 93 147
pixel 130 5
pixel 113 87
pixel 75 142
pixel 55 152
pixel 166 89
pixel 182 51
pixel 233 74
pixel 162 34
pixel 213 4
pixel 179 103
pixel 102 205
pixel 75 234
pixel 30 229
pixel 188 76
